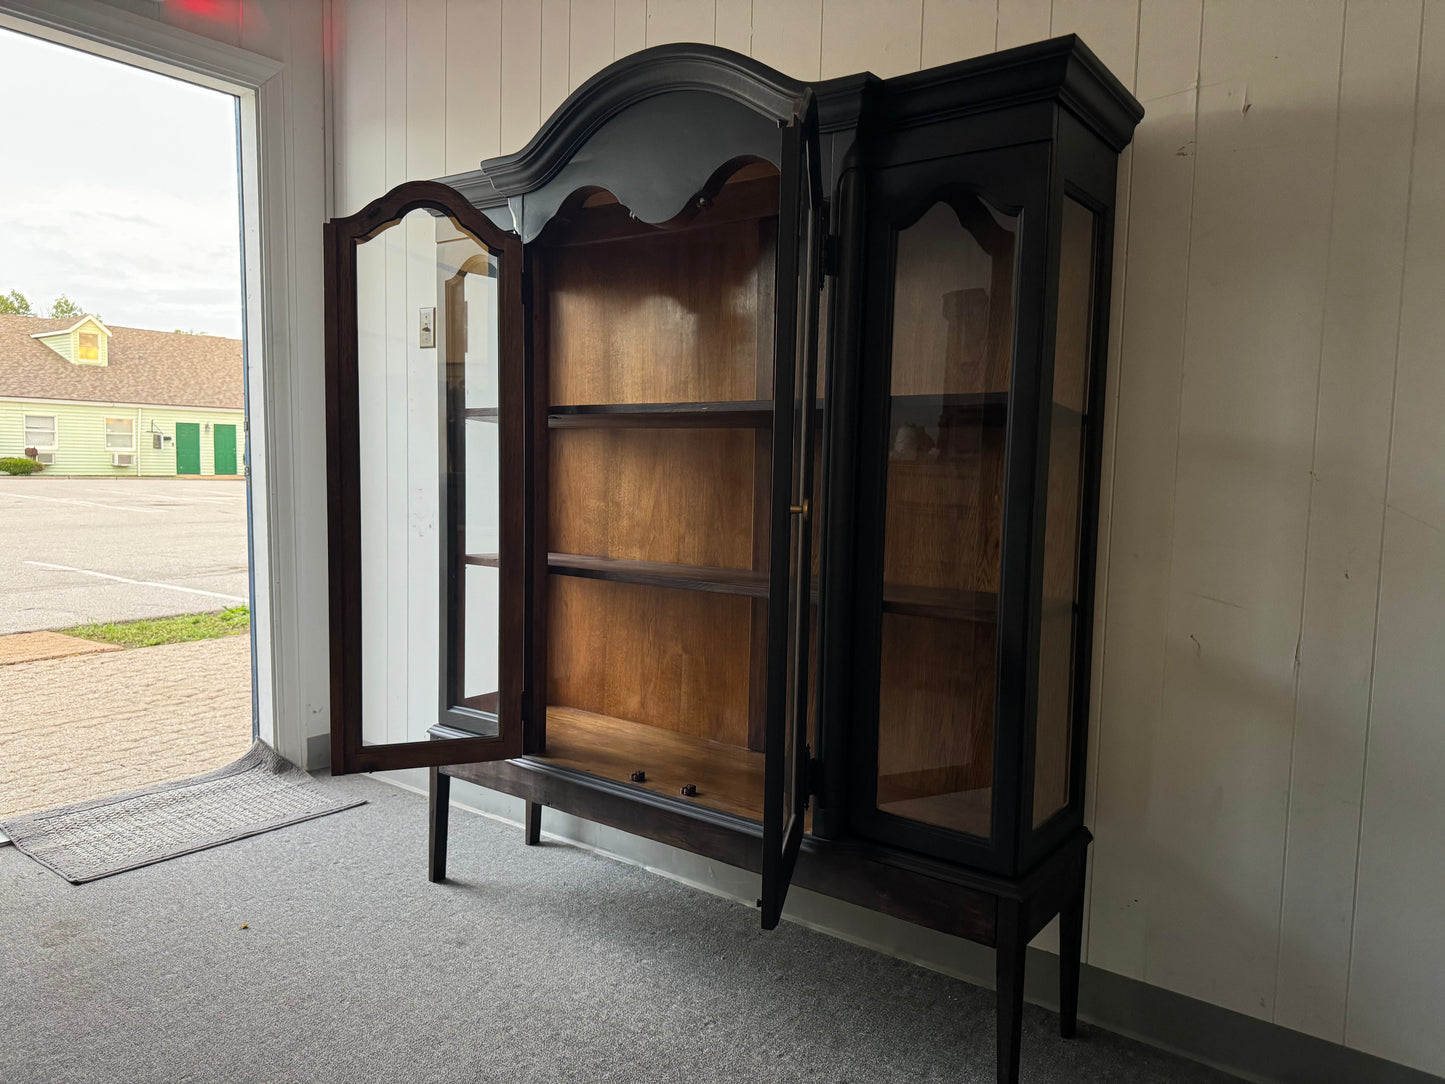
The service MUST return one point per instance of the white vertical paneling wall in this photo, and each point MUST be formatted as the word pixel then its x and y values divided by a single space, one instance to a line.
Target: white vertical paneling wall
pixel 1267 747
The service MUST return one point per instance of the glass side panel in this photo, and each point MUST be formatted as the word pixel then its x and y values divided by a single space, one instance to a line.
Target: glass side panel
pixel 429 476
pixel 953 315
pixel 468 345
pixel 1053 746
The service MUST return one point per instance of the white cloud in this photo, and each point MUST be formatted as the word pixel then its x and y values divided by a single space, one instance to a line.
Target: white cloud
pixel 118 189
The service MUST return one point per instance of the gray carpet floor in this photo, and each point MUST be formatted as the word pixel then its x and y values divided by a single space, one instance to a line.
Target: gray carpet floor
pixel 538 964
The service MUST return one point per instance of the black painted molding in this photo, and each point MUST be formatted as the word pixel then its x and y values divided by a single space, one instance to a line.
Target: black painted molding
pixel 660 70
pixel 1062 68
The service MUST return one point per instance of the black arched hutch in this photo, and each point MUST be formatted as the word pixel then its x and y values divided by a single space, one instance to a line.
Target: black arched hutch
pixel 759 422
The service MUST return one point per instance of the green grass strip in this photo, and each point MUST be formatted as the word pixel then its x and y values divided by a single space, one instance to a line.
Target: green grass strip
pixel 153 631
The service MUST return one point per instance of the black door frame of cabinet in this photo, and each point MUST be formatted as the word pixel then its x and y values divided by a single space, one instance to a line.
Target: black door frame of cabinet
pixel 349 753
pixel 801 228
pixel 1014 180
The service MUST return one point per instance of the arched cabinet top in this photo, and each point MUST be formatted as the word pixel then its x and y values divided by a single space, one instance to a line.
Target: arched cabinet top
pixel 663 69
pixel 653 129
pixel 656 127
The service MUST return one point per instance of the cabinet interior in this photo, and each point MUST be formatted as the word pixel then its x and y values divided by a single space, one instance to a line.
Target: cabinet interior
pixel 953 298
pixel 656 347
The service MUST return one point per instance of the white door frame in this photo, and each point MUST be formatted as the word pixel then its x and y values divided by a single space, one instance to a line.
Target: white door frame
pixel 284 201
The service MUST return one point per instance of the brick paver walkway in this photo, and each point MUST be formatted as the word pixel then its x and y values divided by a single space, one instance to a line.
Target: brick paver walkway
pixel 79 728
pixel 30 646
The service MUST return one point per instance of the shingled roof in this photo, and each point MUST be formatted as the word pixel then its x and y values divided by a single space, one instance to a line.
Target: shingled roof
pixel 159 368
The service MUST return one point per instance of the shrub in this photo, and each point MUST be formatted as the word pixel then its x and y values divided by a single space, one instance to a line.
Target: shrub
pixel 16 465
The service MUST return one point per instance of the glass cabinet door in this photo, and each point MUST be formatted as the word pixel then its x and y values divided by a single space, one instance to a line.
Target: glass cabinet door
pixel 425 415
pixel 801 228
pixel 953 309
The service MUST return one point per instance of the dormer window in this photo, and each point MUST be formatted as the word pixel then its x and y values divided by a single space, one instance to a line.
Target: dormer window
pixel 82 343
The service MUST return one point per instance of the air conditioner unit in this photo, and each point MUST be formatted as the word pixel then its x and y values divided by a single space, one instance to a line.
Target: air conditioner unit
pixel 122 459
pixel 45 459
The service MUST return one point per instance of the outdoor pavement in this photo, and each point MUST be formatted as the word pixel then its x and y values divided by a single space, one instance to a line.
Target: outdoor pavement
pixel 85 727
pixel 76 550
pixel 73 551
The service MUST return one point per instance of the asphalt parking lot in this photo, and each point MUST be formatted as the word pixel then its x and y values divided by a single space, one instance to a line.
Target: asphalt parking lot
pixel 75 550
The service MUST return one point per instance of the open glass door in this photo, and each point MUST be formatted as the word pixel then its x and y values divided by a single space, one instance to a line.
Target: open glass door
pixel 425 449
pixel 801 228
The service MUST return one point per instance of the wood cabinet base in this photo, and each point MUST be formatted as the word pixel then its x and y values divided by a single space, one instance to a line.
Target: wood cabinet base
pixel 1002 912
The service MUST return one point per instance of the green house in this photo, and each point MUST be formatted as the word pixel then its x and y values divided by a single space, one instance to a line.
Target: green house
pixel 99 401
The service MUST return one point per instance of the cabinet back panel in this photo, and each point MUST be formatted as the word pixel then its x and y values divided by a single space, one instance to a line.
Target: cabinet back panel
pixel 678 495
pixel 953 303
pixel 935 711
pixel 670 317
pixel 672 659
pixel 944 515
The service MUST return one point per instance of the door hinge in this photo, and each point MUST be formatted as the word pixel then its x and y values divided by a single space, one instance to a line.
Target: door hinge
pixel 812 776
pixel 831 246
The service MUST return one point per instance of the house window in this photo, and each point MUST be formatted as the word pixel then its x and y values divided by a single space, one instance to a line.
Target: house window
pixel 89 346
pixel 120 434
pixel 40 430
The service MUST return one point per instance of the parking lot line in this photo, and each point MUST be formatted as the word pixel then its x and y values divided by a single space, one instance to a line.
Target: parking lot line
pixel 138 583
pixel 153 495
pixel 71 500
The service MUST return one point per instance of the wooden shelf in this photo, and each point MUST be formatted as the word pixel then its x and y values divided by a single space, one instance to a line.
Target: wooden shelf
pixel 721 581
pixel 727 777
pixel 941 603
pixel 968 811
pixel 746 414
pixel 743 414
pixel 951 604
pixel 948 604
pixel 481 414
pixel 969 408
pixel 973 408
pixel 724 581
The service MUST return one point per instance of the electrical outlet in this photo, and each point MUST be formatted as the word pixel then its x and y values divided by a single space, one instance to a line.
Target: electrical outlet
pixel 428 328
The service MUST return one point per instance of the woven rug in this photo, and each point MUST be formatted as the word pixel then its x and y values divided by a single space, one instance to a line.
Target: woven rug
pixel 258 793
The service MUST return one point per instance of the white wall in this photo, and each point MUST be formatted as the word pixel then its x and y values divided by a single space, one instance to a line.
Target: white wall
pixel 1268 754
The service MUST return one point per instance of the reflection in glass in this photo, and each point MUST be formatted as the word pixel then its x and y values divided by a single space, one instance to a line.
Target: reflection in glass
pixel 482 591
pixel 953 314
pixel 1072 348
pixel 429 475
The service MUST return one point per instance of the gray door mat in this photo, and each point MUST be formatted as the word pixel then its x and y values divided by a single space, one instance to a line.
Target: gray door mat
pixel 258 793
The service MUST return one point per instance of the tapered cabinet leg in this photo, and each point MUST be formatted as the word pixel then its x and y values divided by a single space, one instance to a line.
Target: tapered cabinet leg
pixel 1071 942
pixel 533 827
pixel 440 796
pixel 1009 966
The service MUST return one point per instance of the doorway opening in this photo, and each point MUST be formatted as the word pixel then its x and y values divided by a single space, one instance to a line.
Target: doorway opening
pixel 127 651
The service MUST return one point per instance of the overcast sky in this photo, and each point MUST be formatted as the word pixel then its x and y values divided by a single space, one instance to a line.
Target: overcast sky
pixel 118 189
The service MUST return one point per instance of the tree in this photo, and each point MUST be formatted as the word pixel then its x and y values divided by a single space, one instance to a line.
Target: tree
pixel 15 304
pixel 64 308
